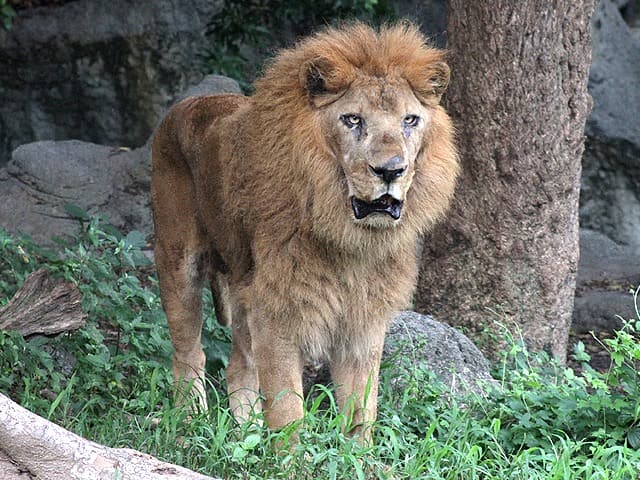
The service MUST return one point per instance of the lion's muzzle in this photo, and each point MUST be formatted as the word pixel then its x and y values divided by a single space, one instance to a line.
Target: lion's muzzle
pixel 390 170
pixel 385 204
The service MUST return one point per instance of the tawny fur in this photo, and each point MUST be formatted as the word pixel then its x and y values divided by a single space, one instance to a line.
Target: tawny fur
pixel 251 194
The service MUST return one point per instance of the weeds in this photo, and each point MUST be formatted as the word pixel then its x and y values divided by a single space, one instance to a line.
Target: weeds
pixel 110 382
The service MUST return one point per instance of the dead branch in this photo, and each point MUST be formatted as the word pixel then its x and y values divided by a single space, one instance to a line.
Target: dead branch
pixel 43 305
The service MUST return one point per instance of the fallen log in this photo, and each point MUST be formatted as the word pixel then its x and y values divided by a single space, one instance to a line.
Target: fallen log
pixel 39 449
pixel 10 471
pixel 43 305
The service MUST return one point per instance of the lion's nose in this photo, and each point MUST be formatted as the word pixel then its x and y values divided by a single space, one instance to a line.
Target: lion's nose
pixel 390 170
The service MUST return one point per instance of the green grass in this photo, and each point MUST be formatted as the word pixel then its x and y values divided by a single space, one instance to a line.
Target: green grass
pixel 545 422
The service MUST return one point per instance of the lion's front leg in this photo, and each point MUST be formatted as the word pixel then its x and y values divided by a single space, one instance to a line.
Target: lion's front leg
pixel 279 363
pixel 356 382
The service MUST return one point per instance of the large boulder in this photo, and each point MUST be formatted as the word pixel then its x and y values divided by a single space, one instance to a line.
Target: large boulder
pixel 426 343
pixel 97 71
pixel 610 197
pixel 43 177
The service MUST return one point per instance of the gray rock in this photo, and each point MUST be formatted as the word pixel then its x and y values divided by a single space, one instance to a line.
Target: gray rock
pixel 607 273
pixel 10 471
pixel 418 341
pixel 43 177
pixel 436 346
pixel 101 72
pixel 602 311
pixel 610 196
pixel 211 84
pixel 603 261
pixel 615 67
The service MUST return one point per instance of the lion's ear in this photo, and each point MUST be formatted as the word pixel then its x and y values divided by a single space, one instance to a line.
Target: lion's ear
pixel 434 83
pixel 316 77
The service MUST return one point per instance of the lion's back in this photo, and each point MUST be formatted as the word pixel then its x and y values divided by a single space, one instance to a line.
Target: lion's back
pixel 187 164
pixel 186 124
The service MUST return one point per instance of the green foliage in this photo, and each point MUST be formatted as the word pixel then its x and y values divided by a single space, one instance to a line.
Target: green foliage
pixel 126 338
pixel 110 381
pixel 238 37
pixel 542 422
pixel 7 14
pixel 591 408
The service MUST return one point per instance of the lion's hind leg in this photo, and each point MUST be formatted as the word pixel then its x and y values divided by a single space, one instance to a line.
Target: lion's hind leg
pixel 181 291
pixel 242 374
pixel 181 263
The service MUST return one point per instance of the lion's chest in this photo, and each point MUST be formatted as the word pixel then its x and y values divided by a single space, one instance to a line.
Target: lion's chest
pixel 333 307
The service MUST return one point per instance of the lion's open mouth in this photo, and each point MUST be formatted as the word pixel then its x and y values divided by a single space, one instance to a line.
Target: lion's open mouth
pixel 385 204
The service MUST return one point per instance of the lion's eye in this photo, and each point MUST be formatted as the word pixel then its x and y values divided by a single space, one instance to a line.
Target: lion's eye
pixel 352 121
pixel 410 120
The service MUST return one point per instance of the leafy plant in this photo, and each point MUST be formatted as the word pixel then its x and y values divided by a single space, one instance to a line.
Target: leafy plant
pixel 592 407
pixel 7 14
pixel 126 338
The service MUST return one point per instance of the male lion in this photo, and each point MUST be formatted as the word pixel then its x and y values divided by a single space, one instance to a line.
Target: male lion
pixel 302 206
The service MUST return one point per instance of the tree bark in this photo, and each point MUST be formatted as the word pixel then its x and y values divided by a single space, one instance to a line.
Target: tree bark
pixel 518 96
pixel 43 305
pixel 40 449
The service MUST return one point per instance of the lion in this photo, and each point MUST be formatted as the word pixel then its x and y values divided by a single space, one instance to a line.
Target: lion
pixel 302 206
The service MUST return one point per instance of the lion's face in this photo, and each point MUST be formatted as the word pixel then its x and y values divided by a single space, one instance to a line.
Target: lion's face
pixel 375 131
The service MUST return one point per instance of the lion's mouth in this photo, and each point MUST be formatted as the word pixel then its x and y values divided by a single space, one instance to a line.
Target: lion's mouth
pixel 385 204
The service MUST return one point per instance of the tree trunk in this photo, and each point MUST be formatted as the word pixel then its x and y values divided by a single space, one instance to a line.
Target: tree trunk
pixel 518 96
pixel 32 447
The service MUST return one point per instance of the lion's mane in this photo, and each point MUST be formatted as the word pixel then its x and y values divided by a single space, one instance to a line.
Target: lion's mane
pixel 295 143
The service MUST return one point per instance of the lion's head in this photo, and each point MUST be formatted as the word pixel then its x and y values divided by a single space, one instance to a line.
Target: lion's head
pixel 375 130
pixel 367 109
